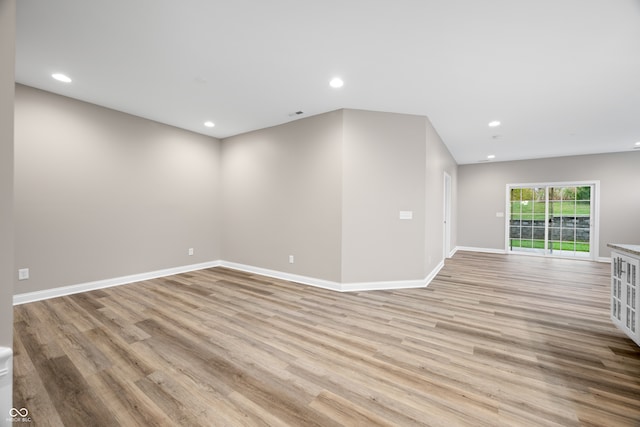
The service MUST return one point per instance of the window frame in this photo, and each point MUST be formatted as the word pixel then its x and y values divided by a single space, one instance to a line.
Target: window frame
pixel 594 249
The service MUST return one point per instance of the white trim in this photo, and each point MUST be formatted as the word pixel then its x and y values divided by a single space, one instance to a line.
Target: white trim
pixel 453 252
pixel 107 283
pixel 401 284
pixel 446 229
pixel 433 273
pixel 595 214
pixel 379 286
pixel 555 184
pixel 305 280
pixel 507 217
pixel 503 252
pixel 6 384
pixel 6 356
pixel 487 250
pixel 556 254
pixel 336 286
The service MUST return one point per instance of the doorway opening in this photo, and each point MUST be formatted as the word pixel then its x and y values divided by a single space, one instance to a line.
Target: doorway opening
pixel 447 217
pixel 553 219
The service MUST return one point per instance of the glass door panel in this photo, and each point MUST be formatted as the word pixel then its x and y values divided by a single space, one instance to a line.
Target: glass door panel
pixel 551 220
pixel 526 221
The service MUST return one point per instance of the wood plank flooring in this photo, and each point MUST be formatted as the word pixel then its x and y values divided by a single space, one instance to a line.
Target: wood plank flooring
pixel 494 340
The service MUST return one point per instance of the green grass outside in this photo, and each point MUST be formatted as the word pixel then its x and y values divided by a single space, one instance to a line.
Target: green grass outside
pixel 535 210
pixel 539 244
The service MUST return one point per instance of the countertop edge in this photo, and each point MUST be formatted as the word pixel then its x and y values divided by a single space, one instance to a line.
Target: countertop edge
pixel 621 247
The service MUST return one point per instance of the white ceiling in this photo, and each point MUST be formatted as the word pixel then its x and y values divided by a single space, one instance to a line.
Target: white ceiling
pixel 563 76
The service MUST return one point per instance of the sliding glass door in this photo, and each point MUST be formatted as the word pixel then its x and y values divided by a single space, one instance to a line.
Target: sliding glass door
pixel 551 219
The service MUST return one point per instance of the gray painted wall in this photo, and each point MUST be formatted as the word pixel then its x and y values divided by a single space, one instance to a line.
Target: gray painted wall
pixel 7 63
pixel 481 193
pixel 384 173
pixel 282 196
pixel 101 194
pixel 328 189
pixel 438 161
pixel 7 273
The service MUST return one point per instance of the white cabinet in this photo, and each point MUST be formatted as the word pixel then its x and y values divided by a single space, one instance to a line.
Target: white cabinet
pixel 625 291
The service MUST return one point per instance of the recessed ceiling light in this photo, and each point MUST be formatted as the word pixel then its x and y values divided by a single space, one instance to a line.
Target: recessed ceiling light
pixel 491 156
pixel 61 77
pixel 494 123
pixel 209 124
pixel 336 83
pixel 638 144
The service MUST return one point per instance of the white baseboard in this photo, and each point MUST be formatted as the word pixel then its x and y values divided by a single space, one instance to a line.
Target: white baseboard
pixel 474 249
pixel 107 283
pixel 434 273
pixel 337 286
pixel 311 281
pixel 503 252
pixel 319 283
pixel 381 286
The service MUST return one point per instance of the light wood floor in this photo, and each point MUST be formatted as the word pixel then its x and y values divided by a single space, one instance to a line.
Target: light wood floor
pixel 493 341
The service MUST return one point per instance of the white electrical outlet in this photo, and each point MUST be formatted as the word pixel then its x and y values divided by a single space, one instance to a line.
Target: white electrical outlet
pixel 290 259
pixel 190 251
pixel 23 274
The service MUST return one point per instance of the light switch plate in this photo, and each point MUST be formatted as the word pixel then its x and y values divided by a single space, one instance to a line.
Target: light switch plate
pixel 406 215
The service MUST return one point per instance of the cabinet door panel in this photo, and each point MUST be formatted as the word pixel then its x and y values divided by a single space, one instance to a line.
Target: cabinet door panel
pixel 625 294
